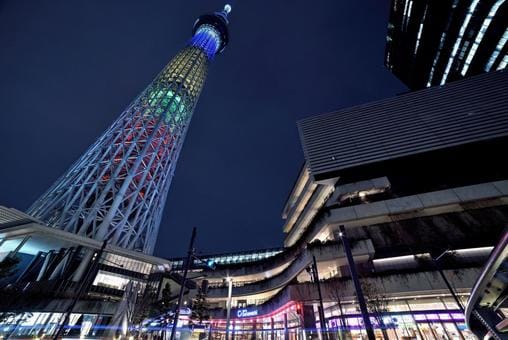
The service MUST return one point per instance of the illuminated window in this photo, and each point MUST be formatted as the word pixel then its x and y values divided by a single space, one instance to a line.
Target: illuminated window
pixel 500 45
pixel 407 14
pixel 420 30
pixel 503 63
pixel 480 34
pixel 463 28
pixel 208 39
pixel 441 43
pixel 105 279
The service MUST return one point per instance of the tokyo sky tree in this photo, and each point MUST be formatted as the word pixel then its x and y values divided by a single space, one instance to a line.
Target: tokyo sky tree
pixel 118 188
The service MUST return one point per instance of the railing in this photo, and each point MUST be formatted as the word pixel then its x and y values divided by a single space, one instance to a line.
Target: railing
pixel 304 258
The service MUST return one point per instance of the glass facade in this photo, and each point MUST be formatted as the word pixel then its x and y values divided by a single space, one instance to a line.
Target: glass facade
pixel 127 263
pixel 224 259
pixel 412 318
pixel 44 325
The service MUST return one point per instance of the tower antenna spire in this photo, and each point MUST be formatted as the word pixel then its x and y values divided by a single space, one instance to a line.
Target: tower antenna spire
pixel 225 12
pixel 227 8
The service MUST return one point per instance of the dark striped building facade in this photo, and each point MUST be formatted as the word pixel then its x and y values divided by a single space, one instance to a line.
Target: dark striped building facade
pixel 461 116
pixel 433 42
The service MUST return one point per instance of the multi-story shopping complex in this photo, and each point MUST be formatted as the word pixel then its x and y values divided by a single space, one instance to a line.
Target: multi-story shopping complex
pixel 419 184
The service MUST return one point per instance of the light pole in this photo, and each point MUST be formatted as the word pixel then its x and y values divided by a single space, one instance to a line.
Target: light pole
pixel 455 297
pixel 190 257
pixel 356 283
pixel 321 311
pixel 228 305
pixel 443 276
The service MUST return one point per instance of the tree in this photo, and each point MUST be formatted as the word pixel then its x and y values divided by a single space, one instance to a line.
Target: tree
pixel 8 266
pixel 200 306
pixel 144 307
pixel 336 293
pixel 377 304
pixel 149 305
pixel 166 296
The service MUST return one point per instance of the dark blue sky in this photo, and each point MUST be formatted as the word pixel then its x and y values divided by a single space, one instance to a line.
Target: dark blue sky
pixel 68 69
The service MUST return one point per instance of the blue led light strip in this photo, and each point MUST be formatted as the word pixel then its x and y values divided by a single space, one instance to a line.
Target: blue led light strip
pixel 207 38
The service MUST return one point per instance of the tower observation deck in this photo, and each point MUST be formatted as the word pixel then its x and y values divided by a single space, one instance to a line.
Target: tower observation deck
pixel 118 188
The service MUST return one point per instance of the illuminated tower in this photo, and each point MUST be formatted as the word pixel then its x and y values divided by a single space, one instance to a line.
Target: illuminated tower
pixel 118 188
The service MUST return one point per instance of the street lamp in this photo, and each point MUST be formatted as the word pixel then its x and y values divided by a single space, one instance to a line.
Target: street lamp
pixel 313 271
pixel 356 282
pixel 187 263
pixel 191 258
pixel 435 262
pixel 229 280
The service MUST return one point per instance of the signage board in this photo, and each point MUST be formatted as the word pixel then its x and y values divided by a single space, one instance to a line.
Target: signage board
pixel 245 313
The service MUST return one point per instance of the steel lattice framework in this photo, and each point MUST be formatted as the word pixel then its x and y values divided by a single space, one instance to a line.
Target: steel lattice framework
pixel 118 188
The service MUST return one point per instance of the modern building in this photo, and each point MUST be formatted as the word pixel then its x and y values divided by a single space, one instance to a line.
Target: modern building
pixel 434 42
pixel 82 252
pixel 48 280
pixel 420 186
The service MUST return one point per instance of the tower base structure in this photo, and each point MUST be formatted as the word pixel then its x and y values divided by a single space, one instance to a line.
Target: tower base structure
pixel 53 276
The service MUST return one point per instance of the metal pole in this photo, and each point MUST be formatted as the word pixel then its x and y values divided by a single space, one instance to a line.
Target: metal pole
pixel 475 313
pixel 356 283
pixel 273 329
pixel 453 321
pixel 447 283
pixel 321 307
pixel 228 305
pixel 286 334
pixel 190 253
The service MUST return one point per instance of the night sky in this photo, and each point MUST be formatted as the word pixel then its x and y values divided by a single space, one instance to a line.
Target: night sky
pixel 69 68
